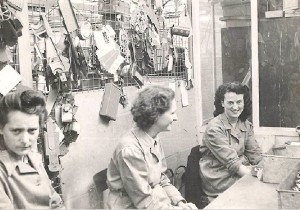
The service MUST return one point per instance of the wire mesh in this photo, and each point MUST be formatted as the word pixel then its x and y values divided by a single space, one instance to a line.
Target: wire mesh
pixel 119 14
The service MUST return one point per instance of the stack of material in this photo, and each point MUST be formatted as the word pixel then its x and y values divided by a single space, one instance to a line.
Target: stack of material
pixel 291 8
pixel 236 13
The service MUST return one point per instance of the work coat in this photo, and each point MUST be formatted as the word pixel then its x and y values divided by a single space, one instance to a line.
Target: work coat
pixel 25 186
pixel 135 175
pixel 223 150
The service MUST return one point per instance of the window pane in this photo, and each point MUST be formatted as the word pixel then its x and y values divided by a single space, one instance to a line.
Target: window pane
pixel 279 68
pixel 226 48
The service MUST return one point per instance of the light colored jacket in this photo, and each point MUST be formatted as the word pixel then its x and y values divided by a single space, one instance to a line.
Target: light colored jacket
pixel 135 175
pixel 223 150
pixel 23 186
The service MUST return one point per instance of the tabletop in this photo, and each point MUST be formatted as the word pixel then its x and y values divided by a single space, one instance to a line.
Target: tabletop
pixel 247 193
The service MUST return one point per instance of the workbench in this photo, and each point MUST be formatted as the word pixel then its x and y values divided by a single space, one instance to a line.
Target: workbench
pixel 247 193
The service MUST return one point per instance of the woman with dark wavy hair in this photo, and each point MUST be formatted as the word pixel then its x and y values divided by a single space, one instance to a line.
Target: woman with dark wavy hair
pixel 136 173
pixel 24 183
pixel 228 145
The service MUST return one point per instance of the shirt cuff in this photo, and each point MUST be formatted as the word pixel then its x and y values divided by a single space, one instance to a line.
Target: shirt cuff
pixel 176 199
pixel 233 169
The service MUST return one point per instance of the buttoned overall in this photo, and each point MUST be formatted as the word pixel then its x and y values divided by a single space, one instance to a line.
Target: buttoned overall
pixel 135 174
pixel 25 185
pixel 223 150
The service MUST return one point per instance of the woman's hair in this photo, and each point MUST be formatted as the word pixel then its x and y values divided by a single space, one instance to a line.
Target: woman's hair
pixel 235 88
pixel 27 101
pixel 151 102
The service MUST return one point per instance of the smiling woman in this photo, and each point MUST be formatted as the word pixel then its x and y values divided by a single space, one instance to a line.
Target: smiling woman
pixel 229 147
pixel 24 183
pixel 136 173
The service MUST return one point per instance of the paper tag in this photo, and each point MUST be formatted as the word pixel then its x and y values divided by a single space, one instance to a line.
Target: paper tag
pixel 9 78
pixel 104 44
pixel 172 86
pixel 170 63
pixel 184 94
pixel 187 59
pixel 114 67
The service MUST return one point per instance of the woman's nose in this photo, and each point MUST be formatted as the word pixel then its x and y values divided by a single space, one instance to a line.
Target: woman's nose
pixel 25 138
pixel 175 117
pixel 235 106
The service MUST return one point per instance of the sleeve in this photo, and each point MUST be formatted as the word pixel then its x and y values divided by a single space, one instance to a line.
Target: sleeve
pixel 134 175
pixel 252 150
pixel 55 201
pixel 170 189
pixel 5 202
pixel 217 142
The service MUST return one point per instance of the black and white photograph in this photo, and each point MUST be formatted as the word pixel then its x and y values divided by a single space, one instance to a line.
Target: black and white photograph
pixel 150 104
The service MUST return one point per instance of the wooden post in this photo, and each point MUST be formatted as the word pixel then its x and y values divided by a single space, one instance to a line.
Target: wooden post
pixel 24 47
pixel 197 63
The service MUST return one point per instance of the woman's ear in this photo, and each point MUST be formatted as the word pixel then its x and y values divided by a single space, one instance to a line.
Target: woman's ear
pixel 222 102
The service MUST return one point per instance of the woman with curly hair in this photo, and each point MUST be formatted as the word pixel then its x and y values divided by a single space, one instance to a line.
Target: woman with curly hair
pixel 24 183
pixel 135 175
pixel 228 146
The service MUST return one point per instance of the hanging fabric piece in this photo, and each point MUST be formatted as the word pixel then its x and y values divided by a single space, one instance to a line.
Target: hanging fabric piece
pixel 5 54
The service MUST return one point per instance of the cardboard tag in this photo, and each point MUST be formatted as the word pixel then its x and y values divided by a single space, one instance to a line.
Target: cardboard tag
pixel 170 63
pixel 9 78
pixel 172 85
pixel 184 94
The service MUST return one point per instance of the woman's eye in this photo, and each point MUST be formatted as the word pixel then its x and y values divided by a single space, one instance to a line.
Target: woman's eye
pixel 32 131
pixel 16 131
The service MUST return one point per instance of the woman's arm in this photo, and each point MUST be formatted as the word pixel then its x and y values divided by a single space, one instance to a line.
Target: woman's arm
pixel 5 202
pixel 216 140
pixel 170 189
pixel 252 150
pixel 243 170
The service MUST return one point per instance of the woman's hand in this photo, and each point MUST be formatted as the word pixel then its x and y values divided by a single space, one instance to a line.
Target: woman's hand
pixel 187 205
pixel 243 170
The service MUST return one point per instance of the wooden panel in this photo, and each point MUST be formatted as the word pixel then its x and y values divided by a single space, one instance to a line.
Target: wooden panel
pixel 236 53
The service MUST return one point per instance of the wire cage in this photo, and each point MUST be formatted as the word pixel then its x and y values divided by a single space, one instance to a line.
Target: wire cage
pixel 153 48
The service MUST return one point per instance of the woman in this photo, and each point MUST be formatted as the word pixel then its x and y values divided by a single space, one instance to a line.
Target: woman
pixel 228 146
pixel 135 174
pixel 24 183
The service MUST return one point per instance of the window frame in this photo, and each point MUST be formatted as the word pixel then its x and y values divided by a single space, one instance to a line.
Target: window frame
pixel 286 131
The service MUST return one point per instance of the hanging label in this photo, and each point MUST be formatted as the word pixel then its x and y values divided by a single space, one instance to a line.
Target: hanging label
pixel 9 78
pixel 170 63
pixel 184 94
pixel 172 86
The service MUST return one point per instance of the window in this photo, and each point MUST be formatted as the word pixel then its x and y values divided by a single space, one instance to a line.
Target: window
pixel 276 74
pixel 225 35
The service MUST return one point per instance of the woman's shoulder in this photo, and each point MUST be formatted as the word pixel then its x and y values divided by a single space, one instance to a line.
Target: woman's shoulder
pixel 127 142
pixel 216 123
pixel 4 157
pixel 5 163
pixel 248 124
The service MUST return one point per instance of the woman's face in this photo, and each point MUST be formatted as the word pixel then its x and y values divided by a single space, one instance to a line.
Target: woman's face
pixel 20 132
pixel 164 121
pixel 233 105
